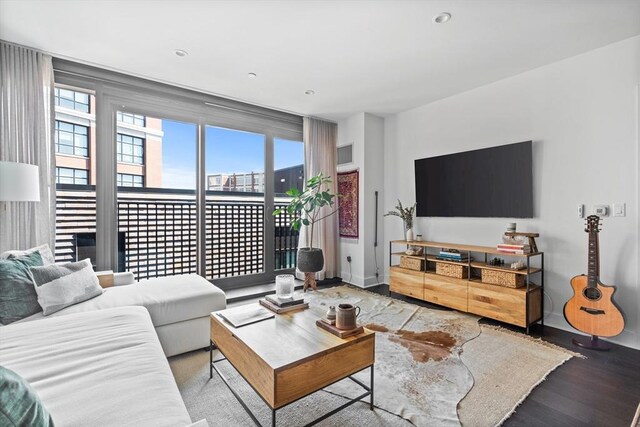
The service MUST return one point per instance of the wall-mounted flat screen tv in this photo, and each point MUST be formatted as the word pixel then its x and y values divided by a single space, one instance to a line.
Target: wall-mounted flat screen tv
pixel 491 182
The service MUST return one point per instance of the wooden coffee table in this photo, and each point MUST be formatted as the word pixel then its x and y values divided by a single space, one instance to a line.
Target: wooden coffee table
pixel 288 357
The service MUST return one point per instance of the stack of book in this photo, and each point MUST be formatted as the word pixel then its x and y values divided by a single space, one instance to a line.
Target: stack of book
pixel 448 255
pixel 513 249
pixel 283 305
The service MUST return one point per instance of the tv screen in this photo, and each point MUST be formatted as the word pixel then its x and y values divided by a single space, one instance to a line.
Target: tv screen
pixel 491 182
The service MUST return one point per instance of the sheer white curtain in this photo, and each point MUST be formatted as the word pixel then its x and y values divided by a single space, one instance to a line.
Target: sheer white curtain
pixel 320 156
pixel 26 133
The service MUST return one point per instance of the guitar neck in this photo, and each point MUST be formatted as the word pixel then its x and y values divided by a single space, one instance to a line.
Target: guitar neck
pixel 594 260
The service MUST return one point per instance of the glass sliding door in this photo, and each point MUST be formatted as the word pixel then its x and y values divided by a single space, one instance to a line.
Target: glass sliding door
pixel 75 160
pixel 288 173
pixel 156 179
pixel 235 204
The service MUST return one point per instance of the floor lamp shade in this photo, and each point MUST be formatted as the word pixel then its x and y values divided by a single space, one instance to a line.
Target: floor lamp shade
pixel 19 182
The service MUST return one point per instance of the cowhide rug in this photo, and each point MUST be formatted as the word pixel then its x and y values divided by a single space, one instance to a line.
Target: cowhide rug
pixel 418 373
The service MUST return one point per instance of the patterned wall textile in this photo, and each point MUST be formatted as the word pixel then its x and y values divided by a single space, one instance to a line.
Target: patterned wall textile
pixel 348 213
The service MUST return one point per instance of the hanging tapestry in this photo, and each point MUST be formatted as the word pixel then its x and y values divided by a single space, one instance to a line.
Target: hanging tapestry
pixel 348 202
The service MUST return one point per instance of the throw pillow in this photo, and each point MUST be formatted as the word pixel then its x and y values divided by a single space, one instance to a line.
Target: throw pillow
pixel 20 405
pixel 18 298
pixel 62 285
pixel 43 250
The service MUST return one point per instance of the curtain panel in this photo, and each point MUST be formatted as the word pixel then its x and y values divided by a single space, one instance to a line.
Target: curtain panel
pixel 26 135
pixel 320 156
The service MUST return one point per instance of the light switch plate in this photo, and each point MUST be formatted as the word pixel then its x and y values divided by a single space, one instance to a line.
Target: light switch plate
pixel 601 210
pixel 619 209
pixel 580 211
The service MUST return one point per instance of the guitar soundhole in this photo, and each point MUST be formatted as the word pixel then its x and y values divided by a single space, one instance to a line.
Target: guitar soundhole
pixel 592 294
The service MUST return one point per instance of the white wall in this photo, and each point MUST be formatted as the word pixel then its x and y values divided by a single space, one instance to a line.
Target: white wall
pixel 582 114
pixel 366 133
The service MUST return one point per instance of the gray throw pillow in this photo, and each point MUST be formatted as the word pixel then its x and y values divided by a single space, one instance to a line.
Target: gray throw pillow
pixel 62 285
pixel 20 406
pixel 18 298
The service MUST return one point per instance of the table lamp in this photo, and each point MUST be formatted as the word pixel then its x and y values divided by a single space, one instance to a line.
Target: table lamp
pixel 19 182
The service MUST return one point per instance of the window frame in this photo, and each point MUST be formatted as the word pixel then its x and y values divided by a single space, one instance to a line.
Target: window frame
pixel 57 97
pixel 57 131
pixel 74 171
pixel 119 154
pixel 120 181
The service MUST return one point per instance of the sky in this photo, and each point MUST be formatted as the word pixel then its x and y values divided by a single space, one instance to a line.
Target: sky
pixel 227 151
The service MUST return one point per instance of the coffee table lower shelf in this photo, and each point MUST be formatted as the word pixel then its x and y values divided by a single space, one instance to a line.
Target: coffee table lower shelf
pixel 368 391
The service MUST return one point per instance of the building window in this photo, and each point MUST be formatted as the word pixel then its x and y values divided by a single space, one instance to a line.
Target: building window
pixel 71 99
pixel 72 176
pixel 72 139
pixel 129 180
pixel 132 119
pixel 130 149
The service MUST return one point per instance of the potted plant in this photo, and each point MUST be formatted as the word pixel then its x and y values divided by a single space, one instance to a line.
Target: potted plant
pixel 407 217
pixel 305 209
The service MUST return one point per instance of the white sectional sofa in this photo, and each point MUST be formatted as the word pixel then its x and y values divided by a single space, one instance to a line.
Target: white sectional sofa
pixel 179 307
pixel 97 368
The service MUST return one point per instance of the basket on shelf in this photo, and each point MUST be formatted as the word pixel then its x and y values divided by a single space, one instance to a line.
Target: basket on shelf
pixel 451 270
pixel 502 278
pixel 411 263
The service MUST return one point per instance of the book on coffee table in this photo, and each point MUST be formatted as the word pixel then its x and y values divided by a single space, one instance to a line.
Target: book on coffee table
pixel 283 302
pixel 245 315
pixel 279 310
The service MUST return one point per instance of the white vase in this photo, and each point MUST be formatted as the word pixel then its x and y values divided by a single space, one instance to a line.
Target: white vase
pixel 409 235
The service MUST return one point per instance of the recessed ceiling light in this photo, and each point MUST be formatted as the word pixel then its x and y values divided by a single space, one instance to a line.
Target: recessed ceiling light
pixel 309 92
pixel 252 75
pixel 181 52
pixel 442 18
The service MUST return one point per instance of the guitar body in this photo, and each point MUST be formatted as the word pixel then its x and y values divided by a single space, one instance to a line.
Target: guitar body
pixel 594 316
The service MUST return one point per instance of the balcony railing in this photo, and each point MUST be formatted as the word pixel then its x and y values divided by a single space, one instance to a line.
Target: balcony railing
pixel 158 232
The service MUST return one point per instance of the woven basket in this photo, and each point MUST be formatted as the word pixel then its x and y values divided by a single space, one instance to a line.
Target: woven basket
pixel 411 263
pixel 451 270
pixel 502 278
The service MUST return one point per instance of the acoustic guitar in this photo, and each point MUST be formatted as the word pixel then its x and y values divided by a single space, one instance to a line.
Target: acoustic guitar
pixel 591 309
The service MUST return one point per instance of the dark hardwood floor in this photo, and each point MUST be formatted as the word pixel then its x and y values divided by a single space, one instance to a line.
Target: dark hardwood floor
pixel 601 390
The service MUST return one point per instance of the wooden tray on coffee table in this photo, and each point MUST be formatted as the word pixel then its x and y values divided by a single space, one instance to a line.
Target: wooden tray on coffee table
pixel 342 333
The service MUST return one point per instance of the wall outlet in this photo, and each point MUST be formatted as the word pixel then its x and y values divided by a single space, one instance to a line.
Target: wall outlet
pixel 580 211
pixel 601 210
pixel 348 258
pixel 619 209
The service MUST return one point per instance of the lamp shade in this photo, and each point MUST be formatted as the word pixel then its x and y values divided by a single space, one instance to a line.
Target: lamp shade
pixel 19 182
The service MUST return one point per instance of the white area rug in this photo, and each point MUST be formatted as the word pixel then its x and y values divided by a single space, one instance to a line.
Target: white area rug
pixel 427 361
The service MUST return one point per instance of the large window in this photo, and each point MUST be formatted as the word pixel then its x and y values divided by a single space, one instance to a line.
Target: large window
pixel 158 218
pixel 129 118
pixel 72 176
pixel 195 183
pixel 72 139
pixel 288 157
pixel 72 99
pixel 130 149
pixel 234 222
pixel 130 180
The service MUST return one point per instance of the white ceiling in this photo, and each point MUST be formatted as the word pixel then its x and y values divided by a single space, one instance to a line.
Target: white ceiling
pixel 375 56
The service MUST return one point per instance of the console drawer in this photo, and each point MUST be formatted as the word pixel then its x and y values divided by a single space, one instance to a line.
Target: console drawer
pixel 406 282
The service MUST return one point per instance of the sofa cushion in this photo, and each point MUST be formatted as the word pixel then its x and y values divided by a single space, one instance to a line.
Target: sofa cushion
pixel 43 250
pixel 18 297
pixel 168 299
pixel 103 368
pixel 19 403
pixel 62 285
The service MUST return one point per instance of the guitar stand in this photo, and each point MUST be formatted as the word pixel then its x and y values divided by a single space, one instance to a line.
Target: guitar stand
pixel 591 343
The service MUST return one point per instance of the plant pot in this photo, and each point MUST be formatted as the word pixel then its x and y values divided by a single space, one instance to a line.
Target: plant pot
pixel 310 260
pixel 409 235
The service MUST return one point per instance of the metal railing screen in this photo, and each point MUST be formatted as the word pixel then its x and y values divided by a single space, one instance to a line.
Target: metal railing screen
pixel 160 233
